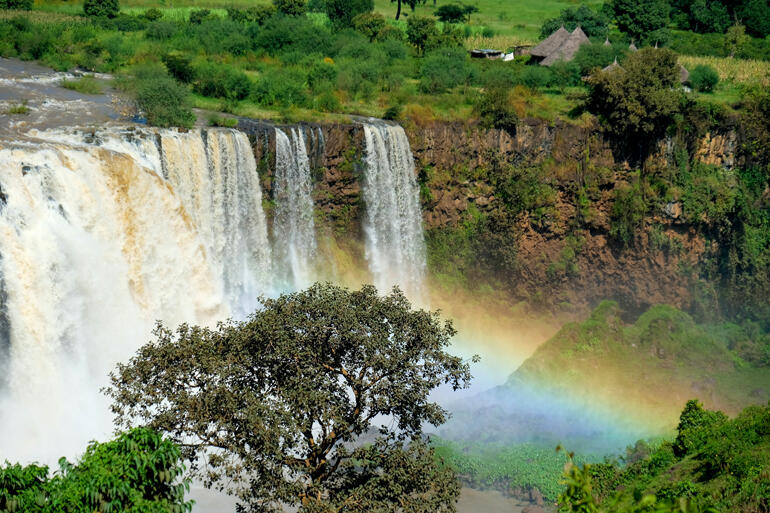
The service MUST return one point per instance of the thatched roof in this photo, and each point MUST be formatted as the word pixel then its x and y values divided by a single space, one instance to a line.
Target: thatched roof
pixel 607 41
pixel 632 47
pixel 684 75
pixel 568 49
pixel 551 43
pixel 612 66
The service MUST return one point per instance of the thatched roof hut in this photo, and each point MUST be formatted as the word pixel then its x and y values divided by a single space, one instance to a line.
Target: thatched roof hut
pixel 607 41
pixel 613 66
pixel 550 44
pixel 684 75
pixel 632 47
pixel 568 49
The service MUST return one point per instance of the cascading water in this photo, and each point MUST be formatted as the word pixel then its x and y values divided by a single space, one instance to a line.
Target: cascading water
pixel 294 225
pixel 395 244
pixel 96 245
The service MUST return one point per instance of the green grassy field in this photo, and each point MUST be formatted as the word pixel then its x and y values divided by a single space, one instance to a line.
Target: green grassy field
pixel 514 20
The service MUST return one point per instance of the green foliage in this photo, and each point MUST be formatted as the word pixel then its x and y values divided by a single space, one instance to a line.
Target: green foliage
pixel 701 15
pixel 282 394
pixel 220 81
pixel 16 4
pixel 162 99
pixel 593 23
pixel 638 102
pixel 258 14
pixel 138 471
pixel 198 16
pixel 590 57
pixel 645 21
pixel 179 66
pixel 444 69
pixel 704 78
pixel 695 423
pixel 455 13
pixel 420 30
pixel 628 211
pixel 495 110
pixel 291 7
pixel 153 14
pixel 342 12
pixel 369 24
pixel 99 8
pixel 726 470
pixel 84 85
pixel 496 466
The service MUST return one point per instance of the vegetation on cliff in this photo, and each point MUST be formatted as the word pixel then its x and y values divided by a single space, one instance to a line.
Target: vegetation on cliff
pixel 714 464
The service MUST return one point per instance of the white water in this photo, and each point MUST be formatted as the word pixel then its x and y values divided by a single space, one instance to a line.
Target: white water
pixel 294 225
pixel 96 245
pixel 395 244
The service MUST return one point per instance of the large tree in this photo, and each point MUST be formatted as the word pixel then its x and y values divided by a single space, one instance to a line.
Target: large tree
pixel 638 101
pixel 342 12
pixel 273 409
pixel 644 20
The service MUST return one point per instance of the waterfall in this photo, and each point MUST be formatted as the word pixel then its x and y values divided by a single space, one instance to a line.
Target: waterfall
pixel 395 245
pixel 100 235
pixel 294 225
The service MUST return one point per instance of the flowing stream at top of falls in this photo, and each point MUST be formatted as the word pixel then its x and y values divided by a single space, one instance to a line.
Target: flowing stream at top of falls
pixel 100 235
pixel 294 225
pixel 395 244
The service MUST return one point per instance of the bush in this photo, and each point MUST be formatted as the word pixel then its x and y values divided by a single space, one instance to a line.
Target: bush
pixel 257 14
pixel 704 78
pixel 101 8
pixel 590 57
pixel 420 30
pixel 217 81
pixel 283 34
pixel 342 12
pixel 25 5
pixel 321 73
pixel 153 14
pixel 495 110
pixel 444 69
pixel 162 99
pixel 161 30
pixel 180 67
pixel 593 23
pixel 535 77
pixel 290 7
pixel 282 87
pixel 627 214
pixel 369 24
pixel 199 15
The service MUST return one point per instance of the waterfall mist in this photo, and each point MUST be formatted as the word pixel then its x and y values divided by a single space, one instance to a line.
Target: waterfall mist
pixel 100 236
pixel 395 244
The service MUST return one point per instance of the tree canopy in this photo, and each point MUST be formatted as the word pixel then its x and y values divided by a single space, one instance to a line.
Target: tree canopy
pixel 639 100
pixel 644 20
pixel 273 408
pixel 593 23
pixel 342 12
pixel 137 472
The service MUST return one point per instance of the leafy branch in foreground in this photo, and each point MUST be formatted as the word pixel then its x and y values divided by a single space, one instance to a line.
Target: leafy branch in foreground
pixel 273 409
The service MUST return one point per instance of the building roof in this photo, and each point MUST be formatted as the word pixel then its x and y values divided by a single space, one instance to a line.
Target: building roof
pixel 612 66
pixel 632 47
pixel 607 41
pixel 568 48
pixel 551 43
pixel 684 75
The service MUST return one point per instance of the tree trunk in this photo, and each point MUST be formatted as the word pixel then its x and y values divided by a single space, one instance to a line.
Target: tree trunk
pixel 398 9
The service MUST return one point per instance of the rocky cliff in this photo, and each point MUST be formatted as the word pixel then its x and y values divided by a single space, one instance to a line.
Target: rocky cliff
pixel 565 252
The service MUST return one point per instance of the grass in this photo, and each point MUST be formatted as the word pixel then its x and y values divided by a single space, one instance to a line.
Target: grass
pixel 19 108
pixel 83 85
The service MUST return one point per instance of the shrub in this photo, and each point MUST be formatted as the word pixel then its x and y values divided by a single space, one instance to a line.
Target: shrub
pixel 290 7
pixel 390 33
pixel 704 78
pixel 535 77
pixel 257 14
pixel 282 34
pixel 222 82
pixel 627 214
pixel 164 102
pixel 161 30
pixel 419 31
pixel 369 24
pixel 590 57
pixel 283 87
pixel 101 8
pixel 16 4
pixel 180 67
pixel 84 85
pixel 444 69
pixel 495 110
pixel 199 15
pixel 153 14
pixel 124 23
pixel 327 101
pixel 342 12
pixel 321 73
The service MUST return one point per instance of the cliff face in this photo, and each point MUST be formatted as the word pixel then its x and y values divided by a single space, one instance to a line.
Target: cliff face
pixel 557 263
